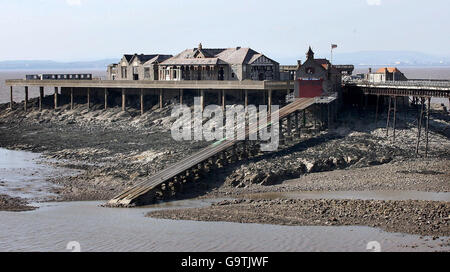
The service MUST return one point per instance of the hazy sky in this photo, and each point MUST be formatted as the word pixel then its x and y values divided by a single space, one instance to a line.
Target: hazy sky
pixel 67 30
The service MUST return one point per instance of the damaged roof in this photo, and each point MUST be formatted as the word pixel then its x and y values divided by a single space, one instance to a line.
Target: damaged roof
pixel 212 56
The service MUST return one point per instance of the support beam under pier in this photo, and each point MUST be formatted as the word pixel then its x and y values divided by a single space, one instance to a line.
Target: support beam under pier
pixel 41 97
pixel 224 95
pixel 181 97
pixel 11 95
pixel 427 126
pixel 246 98
pixel 25 105
pixel 269 104
pixel 395 114
pixel 142 101
pixel 88 98
pixel 106 98
pixel 56 98
pixel 160 98
pixel 202 99
pixel 123 100
pixel 71 98
pixel 419 125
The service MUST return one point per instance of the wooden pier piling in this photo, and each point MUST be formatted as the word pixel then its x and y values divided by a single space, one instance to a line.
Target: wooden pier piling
pixel 123 100
pixel 106 98
pixel 160 98
pixel 11 95
pixel 427 126
pixel 56 98
pixel 71 98
pixel 41 97
pixel 25 104
pixel 419 125
pixel 88 98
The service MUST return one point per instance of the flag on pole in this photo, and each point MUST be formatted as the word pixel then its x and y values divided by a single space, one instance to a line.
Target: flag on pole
pixel 333 46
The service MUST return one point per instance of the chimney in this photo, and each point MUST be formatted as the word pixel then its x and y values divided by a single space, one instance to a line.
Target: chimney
pixel 299 63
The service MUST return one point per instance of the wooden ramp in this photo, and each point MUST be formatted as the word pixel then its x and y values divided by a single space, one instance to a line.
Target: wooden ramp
pixel 146 192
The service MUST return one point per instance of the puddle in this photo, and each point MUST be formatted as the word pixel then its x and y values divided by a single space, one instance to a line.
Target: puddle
pixel 22 175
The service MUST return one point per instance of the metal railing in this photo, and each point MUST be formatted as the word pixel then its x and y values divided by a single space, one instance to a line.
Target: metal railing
pixel 408 83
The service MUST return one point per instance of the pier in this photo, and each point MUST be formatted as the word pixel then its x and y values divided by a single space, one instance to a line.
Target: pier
pixel 167 182
pixel 417 93
pixel 102 89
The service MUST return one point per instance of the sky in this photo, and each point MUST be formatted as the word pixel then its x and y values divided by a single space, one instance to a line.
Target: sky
pixel 77 30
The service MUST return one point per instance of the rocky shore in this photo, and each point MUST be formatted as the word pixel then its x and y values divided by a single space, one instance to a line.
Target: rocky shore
pixel 14 204
pixel 115 150
pixel 414 217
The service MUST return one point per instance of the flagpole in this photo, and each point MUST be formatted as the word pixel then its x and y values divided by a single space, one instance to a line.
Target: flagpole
pixel 332 54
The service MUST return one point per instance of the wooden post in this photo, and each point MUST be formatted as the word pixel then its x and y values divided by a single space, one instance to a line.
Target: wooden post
pixel 269 105
pixel 395 113
pixel 41 97
pixel 223 99
pixel 160 98
pixel 11 95
pixel 106 98
pixel 71 98
pixel 246 98
pixel 142 101
pixel 56 98
pixel 25 105
pixel 202 99
pixel 123 100
pixel 428 126
pixel 181 96
pixel 388 117
pixel 88 98
pixel 419 126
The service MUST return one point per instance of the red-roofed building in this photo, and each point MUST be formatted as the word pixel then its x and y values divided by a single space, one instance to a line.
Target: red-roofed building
pixel 317 77
pixel 386 74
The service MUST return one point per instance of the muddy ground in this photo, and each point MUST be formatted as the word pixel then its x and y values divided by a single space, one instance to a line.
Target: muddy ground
pixel 415 217
pixel 14 204
pixel 118 149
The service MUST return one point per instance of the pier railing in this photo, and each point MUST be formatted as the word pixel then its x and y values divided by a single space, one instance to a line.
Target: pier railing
pixel 408 83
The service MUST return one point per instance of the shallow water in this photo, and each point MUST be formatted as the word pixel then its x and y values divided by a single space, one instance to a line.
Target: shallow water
pixel 52 226
pixel 363 195
pixel 19 93
pixel 21 175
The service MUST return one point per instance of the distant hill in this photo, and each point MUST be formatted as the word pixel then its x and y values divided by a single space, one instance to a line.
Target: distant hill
pixel 54 65
pixel 361 58
pixel 382 58
pixel 398 58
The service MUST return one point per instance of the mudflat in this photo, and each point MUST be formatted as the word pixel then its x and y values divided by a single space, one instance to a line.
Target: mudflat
pixel 115 150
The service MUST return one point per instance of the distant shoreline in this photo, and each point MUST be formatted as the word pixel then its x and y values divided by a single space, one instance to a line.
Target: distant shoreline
pixel 51 69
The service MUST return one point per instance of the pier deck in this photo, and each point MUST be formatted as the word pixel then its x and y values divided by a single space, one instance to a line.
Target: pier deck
pixel 154 84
